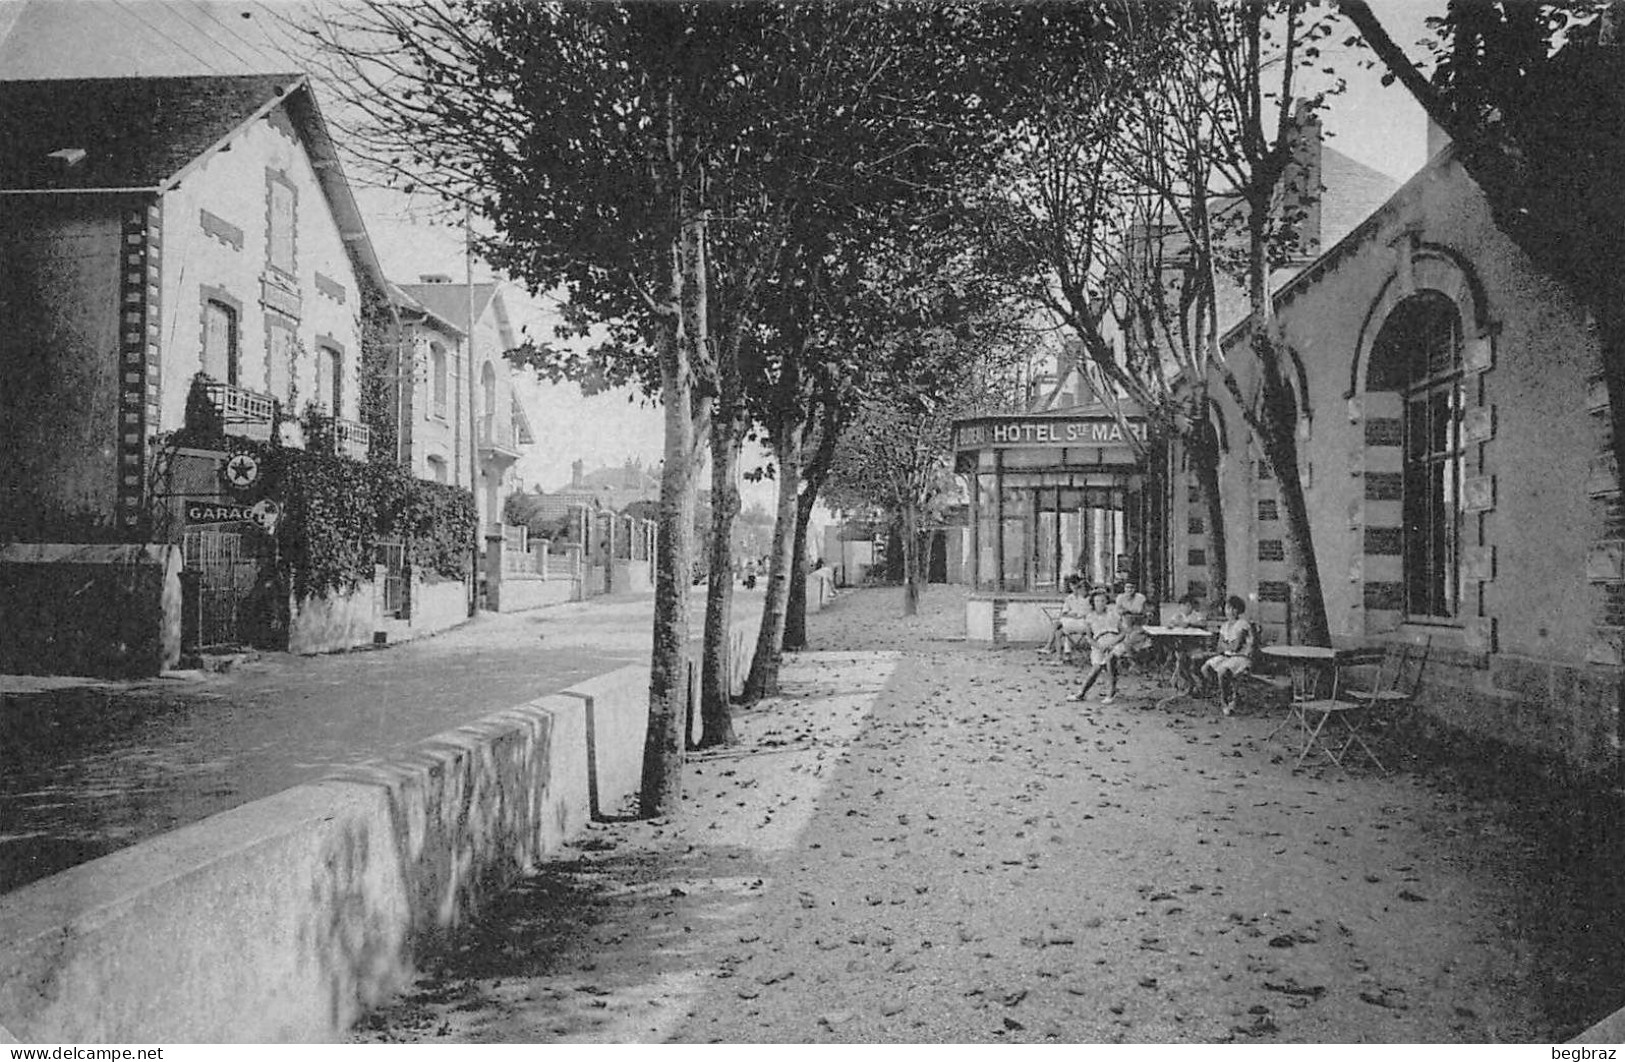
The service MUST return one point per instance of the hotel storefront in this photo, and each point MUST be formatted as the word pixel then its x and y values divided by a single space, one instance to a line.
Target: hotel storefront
pixel 1052 494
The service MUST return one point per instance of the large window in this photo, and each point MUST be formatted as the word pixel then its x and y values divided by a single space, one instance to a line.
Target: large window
pixel 330 387
pixel 1043 527
pixel 1418 354
pixel 220 359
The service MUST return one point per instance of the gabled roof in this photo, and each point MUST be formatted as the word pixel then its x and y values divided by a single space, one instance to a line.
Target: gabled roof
pixel 449 302
pixel 1353 193
pixel 404 301
pixel 100 135
pixel 136 133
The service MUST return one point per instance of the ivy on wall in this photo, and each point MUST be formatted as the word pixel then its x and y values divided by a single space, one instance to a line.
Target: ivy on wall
pixel 336 510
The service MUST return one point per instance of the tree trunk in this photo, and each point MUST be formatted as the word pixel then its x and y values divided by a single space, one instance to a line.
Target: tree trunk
pixel 764 666
pixel 911 563
pixel 1307 603
pixel 1202 447
pixel 716 663
pixel 663 746
pixel 795 612
pixel 1277 427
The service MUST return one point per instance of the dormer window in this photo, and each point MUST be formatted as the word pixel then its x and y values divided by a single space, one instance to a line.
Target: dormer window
pixel 282 213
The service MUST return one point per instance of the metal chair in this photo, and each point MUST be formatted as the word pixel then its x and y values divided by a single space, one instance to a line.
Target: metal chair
pixel 1393 687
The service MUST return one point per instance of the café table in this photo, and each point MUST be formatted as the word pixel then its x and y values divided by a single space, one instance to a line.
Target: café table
pixel 1178 643
pixel 1316 673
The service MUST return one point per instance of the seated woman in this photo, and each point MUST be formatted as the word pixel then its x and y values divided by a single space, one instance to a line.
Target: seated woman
pixel 1069 628
pixel 1131 607
pixel 1188 612
pixel 1235 654
pixel 1106 645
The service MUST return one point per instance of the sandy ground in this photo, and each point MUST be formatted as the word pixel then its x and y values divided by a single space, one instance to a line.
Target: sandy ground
pixel 921 841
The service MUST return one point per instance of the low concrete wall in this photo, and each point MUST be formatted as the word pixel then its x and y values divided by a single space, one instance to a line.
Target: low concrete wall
pixel 329 623
pixel 286 918
pixel 70 609
pixel 631 577
pixel 1001 620
pixel 437 606
pixel 617 708
pixel 518 593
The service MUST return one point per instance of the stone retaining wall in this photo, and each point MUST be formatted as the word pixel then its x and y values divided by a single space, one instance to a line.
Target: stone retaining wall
pixel 284 919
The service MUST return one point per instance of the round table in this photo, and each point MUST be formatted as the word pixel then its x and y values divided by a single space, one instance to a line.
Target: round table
pixel 1179 640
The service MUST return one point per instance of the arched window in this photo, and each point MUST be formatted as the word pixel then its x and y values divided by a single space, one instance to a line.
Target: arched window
pixel 1418 354
pixel 438 378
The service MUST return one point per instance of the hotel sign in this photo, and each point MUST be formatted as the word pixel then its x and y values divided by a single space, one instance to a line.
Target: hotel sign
pixel 1044 432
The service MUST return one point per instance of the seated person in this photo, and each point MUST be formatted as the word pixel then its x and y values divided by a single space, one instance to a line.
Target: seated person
pixel 1106 644
pixel 1235 654
pixel 1131 607
pixel 1069 628
pixel 1188 612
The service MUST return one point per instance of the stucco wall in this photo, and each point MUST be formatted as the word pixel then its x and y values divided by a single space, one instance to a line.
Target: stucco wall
pixel 59 298
pixel 333 622
pixel 1525 680
pixel 517 593
pixel 201 255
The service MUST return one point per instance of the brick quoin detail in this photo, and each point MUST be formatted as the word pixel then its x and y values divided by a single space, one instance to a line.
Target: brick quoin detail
pixel 1385 541
pixel 1271 549
pixel 1274 592
pixel 1384 431
pixel 1384 486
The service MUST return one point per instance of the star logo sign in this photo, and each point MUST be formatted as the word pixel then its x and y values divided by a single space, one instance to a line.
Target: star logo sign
pixel 242 470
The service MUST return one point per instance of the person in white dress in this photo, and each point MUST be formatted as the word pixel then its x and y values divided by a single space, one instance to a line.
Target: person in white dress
pixel 1106 645
pixel 1069 626
pixel 1235 655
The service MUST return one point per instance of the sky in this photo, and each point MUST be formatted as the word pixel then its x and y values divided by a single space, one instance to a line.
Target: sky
pixel 1379 126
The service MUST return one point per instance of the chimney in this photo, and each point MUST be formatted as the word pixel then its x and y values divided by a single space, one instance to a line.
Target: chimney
pixel 576 467
pixel 1301 189
pixel 434 278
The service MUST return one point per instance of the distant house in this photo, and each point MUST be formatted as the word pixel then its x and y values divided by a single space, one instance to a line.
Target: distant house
pixel 447 437
pixel 152 232
pixel 612 488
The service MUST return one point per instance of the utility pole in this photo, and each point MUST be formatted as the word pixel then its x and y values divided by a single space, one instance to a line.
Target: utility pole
pixel 473 425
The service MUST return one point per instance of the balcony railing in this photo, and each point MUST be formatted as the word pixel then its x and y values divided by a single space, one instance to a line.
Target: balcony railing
pixel 500 436
pixel 245 413
pixel 353 438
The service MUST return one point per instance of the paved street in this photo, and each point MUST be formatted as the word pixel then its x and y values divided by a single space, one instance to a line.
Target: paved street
pixel 93 767
pixel 922 841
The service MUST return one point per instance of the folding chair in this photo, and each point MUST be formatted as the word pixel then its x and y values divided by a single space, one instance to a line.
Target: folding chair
pixel 1398 672
pixel 1393 687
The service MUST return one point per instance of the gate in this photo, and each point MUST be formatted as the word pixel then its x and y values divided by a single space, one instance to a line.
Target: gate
pixel 225 569
pixel 392 558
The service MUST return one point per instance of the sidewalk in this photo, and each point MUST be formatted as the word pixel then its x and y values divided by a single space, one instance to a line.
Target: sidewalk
pixel 959 855
pixel 92 767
